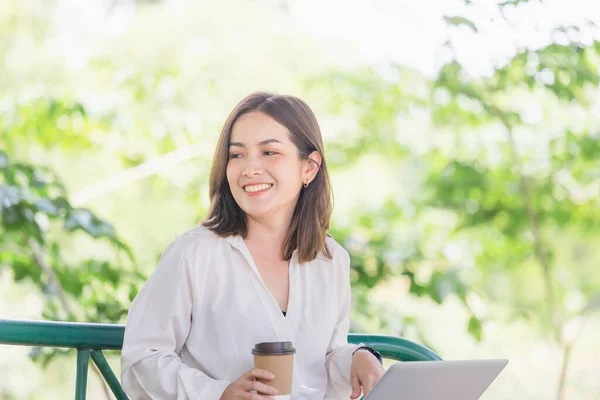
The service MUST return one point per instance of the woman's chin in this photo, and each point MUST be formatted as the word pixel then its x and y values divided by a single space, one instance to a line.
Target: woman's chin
pixel 259 212
pixel 262 213
pixel 267 210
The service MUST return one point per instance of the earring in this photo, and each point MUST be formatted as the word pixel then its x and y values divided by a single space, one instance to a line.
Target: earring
pixel 306 184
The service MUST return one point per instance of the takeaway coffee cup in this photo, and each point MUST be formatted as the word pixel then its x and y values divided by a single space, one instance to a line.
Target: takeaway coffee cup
pixel 277 358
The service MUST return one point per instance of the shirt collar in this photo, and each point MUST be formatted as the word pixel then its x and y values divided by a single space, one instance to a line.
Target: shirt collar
pixel 237 242
pixel 234 240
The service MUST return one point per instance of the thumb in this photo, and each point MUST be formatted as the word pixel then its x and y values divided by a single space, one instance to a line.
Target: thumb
pixel 355 386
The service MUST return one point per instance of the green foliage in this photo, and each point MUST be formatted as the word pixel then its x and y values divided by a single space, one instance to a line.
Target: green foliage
pixel 345 95
pixel 36 214
pixel 48 121
pixel 512 212
pixel 35 209
pixel 501 200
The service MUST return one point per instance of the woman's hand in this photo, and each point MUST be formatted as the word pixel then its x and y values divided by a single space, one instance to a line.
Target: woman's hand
pixel 242 388
pixel 365 372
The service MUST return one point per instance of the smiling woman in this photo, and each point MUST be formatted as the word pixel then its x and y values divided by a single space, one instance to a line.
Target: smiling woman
pixel 272 140
pixel 261 268
pixel 270 168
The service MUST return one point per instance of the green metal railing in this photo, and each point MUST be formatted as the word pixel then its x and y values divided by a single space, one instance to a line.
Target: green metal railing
pixel 88 339
pixel 91 339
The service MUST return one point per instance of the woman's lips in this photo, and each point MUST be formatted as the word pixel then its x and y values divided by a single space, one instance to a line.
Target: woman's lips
pixel 257 192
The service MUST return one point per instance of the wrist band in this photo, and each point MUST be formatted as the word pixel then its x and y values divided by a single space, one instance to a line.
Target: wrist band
pixel 372 351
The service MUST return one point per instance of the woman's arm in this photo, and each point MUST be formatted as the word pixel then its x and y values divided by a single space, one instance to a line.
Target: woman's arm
pixel 339 352
pixel 158 325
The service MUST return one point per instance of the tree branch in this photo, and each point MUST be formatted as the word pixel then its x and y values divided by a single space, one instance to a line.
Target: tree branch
pixel 137 173
pixel 563 372
pixel 535 231
pixel 38 256
pixel 533 219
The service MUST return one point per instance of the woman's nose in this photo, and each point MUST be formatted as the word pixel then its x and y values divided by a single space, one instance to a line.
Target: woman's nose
pixel 253 166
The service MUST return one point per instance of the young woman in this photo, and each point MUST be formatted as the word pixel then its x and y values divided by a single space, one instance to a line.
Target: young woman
pixel 260 268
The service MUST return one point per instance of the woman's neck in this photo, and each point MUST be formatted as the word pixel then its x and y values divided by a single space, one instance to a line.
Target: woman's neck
pixel 268 235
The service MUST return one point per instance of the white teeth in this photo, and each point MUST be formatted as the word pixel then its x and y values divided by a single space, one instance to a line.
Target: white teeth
pixel 257 188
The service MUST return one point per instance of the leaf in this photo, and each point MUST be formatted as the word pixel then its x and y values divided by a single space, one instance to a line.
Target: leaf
pixel 47 206
pixel 475 328
pixel 84 219
pixel 9 196
pixel 46 354
pixel 514 2
pixel 458 21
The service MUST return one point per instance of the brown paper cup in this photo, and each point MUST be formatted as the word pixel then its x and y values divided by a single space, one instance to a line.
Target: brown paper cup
pixel 282 366
pixel 278 359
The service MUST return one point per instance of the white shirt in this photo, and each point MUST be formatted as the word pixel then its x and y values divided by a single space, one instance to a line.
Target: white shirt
pixel 192 327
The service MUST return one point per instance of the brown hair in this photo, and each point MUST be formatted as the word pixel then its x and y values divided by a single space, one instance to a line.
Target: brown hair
pixel 310 220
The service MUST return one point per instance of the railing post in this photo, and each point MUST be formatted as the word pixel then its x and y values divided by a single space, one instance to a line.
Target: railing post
pixel 83 357
pixel 109 376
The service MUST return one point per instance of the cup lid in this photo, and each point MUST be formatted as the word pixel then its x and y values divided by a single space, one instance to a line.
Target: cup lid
pixel 274 348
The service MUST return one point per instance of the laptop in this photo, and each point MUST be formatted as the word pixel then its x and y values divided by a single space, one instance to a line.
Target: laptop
pixel 437 380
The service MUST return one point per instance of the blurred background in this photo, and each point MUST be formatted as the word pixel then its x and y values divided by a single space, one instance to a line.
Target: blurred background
pixel 463 139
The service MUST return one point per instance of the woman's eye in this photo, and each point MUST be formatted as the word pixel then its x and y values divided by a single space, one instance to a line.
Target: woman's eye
pixel 235 155
pixel 270 153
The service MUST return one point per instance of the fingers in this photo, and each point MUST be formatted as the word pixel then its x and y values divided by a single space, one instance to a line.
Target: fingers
pixel 260 374
pixel 367 387
pixel 252 389
pixel 355 386
pixel 252 396
pixel 260 388
pixel 370 381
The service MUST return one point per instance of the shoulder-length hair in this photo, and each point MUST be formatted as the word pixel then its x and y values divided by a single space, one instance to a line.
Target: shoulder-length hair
pixel 310 220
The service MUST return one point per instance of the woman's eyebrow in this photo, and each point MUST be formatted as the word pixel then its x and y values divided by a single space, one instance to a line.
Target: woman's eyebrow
pixel 270 141
pixel 264 142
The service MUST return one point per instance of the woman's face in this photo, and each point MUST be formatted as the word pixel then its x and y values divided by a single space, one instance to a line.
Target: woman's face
pixel 264 171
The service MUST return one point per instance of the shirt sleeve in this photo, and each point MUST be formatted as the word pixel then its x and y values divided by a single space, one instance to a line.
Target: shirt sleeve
pixel 157 327
pixel 339 351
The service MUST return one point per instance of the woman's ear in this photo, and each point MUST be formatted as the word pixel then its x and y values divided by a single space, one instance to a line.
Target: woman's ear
pixel 311 166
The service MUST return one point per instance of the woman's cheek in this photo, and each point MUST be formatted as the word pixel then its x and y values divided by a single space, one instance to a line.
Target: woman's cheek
pixel 278 162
